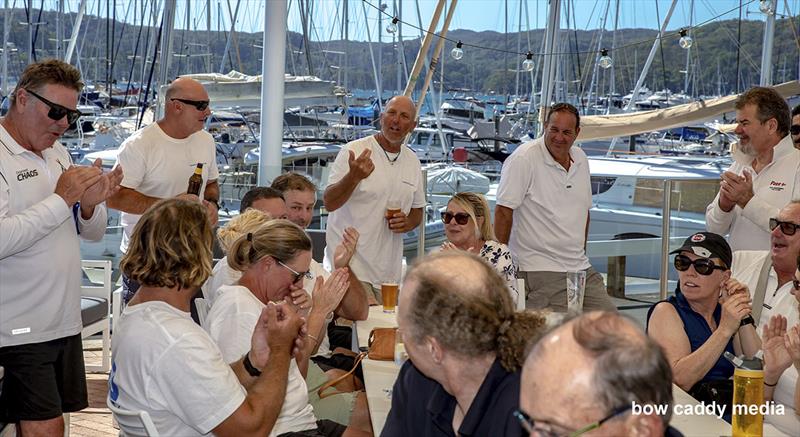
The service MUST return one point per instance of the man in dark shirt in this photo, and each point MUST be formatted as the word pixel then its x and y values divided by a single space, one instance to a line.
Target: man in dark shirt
pixel 465 345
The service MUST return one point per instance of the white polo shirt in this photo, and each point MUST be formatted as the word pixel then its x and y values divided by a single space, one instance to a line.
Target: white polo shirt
pixel 551 206
pixel 774 187
pixel 158 165
pixel 746 268
pixel 40 261
pixel 380 251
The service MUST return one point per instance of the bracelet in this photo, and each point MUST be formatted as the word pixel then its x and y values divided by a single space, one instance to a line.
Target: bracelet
pixel 249 367
pixel 316 340
pixel 770 385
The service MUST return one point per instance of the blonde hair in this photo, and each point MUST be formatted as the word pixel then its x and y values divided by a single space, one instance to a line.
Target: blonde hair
pixel 240 225
pixel 170 246
pixel 476 206
pixel 280 239
pixel 461 301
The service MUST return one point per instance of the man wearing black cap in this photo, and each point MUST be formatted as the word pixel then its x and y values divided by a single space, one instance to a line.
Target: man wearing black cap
pixel 713 311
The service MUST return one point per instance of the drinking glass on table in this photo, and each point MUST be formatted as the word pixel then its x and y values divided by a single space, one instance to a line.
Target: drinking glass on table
pixel 576 286
pixel 389 291
pixel 400 355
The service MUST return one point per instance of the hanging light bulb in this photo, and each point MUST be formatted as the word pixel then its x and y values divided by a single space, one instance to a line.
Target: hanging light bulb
pixel 766 7
pixel 392 27
pixel 457 53
pixel 527 64
pixel 686 41
pixel 605 61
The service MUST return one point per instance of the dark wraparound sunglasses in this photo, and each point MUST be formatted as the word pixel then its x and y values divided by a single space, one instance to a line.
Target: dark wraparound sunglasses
pixel 795 129
pixel 200 105
pixel 461 217
pixel 703 266
pixel 788 228
pixel 57 112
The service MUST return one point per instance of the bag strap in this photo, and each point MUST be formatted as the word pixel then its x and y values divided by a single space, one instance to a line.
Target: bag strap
pixel 335 381
pixel 761 288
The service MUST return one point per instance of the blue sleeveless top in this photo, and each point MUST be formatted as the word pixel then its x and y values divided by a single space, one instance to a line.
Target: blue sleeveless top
pixel 698 332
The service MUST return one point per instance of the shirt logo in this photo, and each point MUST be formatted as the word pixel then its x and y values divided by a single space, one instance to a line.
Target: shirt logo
pixel 777 186
pixel 26 174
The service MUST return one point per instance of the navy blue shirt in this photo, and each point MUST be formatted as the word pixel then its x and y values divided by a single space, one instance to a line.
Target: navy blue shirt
pixel 421 407
pixel 698 332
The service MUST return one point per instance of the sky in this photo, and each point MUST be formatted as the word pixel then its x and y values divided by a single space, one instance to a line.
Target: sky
pixel 477 15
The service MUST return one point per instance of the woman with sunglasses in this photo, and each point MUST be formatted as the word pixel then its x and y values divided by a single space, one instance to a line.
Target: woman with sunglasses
pixel 468 226
pixel 713 311
pixel 274 259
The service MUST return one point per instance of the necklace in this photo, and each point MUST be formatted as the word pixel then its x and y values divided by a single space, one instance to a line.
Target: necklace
pixel 391 160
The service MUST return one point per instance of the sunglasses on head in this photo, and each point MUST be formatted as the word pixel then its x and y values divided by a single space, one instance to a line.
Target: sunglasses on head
pixel 703 266
pixel 795 129
pixel 57 112
pixel 461 217
pixel 788 228
pixel 200 105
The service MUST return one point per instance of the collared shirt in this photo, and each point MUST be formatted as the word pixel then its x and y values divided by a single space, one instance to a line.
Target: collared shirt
pixel 422 408
pixel 40 262
pixel 774 187
pixel 551 207
pixel 777 300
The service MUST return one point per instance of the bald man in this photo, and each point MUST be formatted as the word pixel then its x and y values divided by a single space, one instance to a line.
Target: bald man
pixel 600 365
pixel 159 159
pixel 368 175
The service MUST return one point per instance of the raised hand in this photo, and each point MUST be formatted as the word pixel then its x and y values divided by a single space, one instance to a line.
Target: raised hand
pixel 346 249
pixel 74 182
pixel 328 295
pixel 776 355
pixel 299 300
pixel 734 309
pixel 398 222
pixel 105 187
pixel 792 342
pixel 361 167
pixel 284 326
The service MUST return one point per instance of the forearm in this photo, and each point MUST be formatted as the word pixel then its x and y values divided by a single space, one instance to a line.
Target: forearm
pixel 212 191
pixel 690 369
pixel 749 339
pixel 354 305
pixel 266 395
pixel 717 219
pixel 339 193
pixel 315 326
pixel 94 228
pixel 413 219
pixel 20 231
pixel 503 219
pixel 131 201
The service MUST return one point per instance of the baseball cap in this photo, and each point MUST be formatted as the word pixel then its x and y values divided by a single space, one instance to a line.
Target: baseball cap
pixel 707 245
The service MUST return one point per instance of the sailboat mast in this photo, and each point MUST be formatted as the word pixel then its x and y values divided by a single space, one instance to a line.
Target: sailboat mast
pixel 688 50
pixel 6 25
pixel 766 47
pixel 165 58
pixel 75 32
pixel 549 69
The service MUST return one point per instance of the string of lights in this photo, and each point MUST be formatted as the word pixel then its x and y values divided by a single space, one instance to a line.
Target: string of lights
pixel 605 61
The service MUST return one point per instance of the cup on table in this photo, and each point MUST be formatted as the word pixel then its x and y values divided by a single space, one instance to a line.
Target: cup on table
pixel 400 355
pixel 389 294
pixel 748 393
pixel 576 287
pixel 392 208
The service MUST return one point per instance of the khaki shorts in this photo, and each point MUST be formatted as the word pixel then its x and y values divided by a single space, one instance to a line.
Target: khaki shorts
pixel 549 290
pixel 338 407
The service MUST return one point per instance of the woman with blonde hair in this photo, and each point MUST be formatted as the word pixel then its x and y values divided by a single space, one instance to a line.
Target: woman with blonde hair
pixel 222 274
pixel 468 226
pixel 273 260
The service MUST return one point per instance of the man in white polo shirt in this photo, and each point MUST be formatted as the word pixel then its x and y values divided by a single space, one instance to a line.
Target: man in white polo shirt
pixel 542 213
pixel 46 204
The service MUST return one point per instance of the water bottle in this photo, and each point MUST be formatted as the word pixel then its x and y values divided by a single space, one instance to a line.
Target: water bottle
pixel 748 395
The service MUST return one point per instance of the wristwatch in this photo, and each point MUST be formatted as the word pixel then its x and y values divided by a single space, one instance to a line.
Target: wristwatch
pixel 248 365
pixel 747 321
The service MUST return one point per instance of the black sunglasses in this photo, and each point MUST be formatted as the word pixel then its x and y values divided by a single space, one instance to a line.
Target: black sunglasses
pixel 788 228
pixel 795 129
pixel 461 217
pixel 703 266
pixel 529 424
pixel 57 112
pixel 200 105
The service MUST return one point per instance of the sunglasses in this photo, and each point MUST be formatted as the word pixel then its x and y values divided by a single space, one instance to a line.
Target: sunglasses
pixel 795 129
pixel 788 228
pixel 703 266
pixel 462 218
pixel 543 428
pixel 200 105
pixel 57 112
pixel 297 275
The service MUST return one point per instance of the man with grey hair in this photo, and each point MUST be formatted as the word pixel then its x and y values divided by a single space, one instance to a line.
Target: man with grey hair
pixel 764 175
pixel 613 367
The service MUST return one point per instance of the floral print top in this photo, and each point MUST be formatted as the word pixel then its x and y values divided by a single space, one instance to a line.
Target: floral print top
pixel 500 257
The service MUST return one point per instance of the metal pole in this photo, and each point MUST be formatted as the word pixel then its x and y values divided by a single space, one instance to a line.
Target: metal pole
pixel 549 70
pixel 230 35
pixel 6 25
pixel 75 31
pixel 165 58
pixel 666 208
pixel 435 57
pixel 272 84
pixel 423 50
pixel 766 48
pixel 421 232
pixel 375 74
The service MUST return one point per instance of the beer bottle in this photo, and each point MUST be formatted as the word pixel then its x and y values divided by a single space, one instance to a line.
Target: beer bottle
pixel 196 180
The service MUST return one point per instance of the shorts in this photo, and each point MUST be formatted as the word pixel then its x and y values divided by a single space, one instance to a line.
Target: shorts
pixel 43 380
pixel 338 407
pixel 338 361
pixel 325 428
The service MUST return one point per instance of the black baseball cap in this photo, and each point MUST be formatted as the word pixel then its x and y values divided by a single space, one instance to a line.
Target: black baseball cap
pixel 707 245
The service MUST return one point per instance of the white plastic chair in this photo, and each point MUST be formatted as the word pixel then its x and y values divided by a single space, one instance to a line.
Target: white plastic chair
pixel 133 423
pixel 202 310
pixel 520 294
pixel 99 272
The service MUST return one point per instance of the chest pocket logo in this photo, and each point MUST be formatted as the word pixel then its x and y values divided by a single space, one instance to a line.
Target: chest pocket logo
pixel 26 174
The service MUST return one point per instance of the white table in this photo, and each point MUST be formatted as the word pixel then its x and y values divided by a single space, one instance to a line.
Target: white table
pixel 379 376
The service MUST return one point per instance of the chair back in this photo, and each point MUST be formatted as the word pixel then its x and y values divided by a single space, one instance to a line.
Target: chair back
pixel 520 294
pixel 133 423
pixel 202 310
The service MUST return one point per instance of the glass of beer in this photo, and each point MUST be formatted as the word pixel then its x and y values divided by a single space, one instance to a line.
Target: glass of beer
pixel 389 295
pixel 392 208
